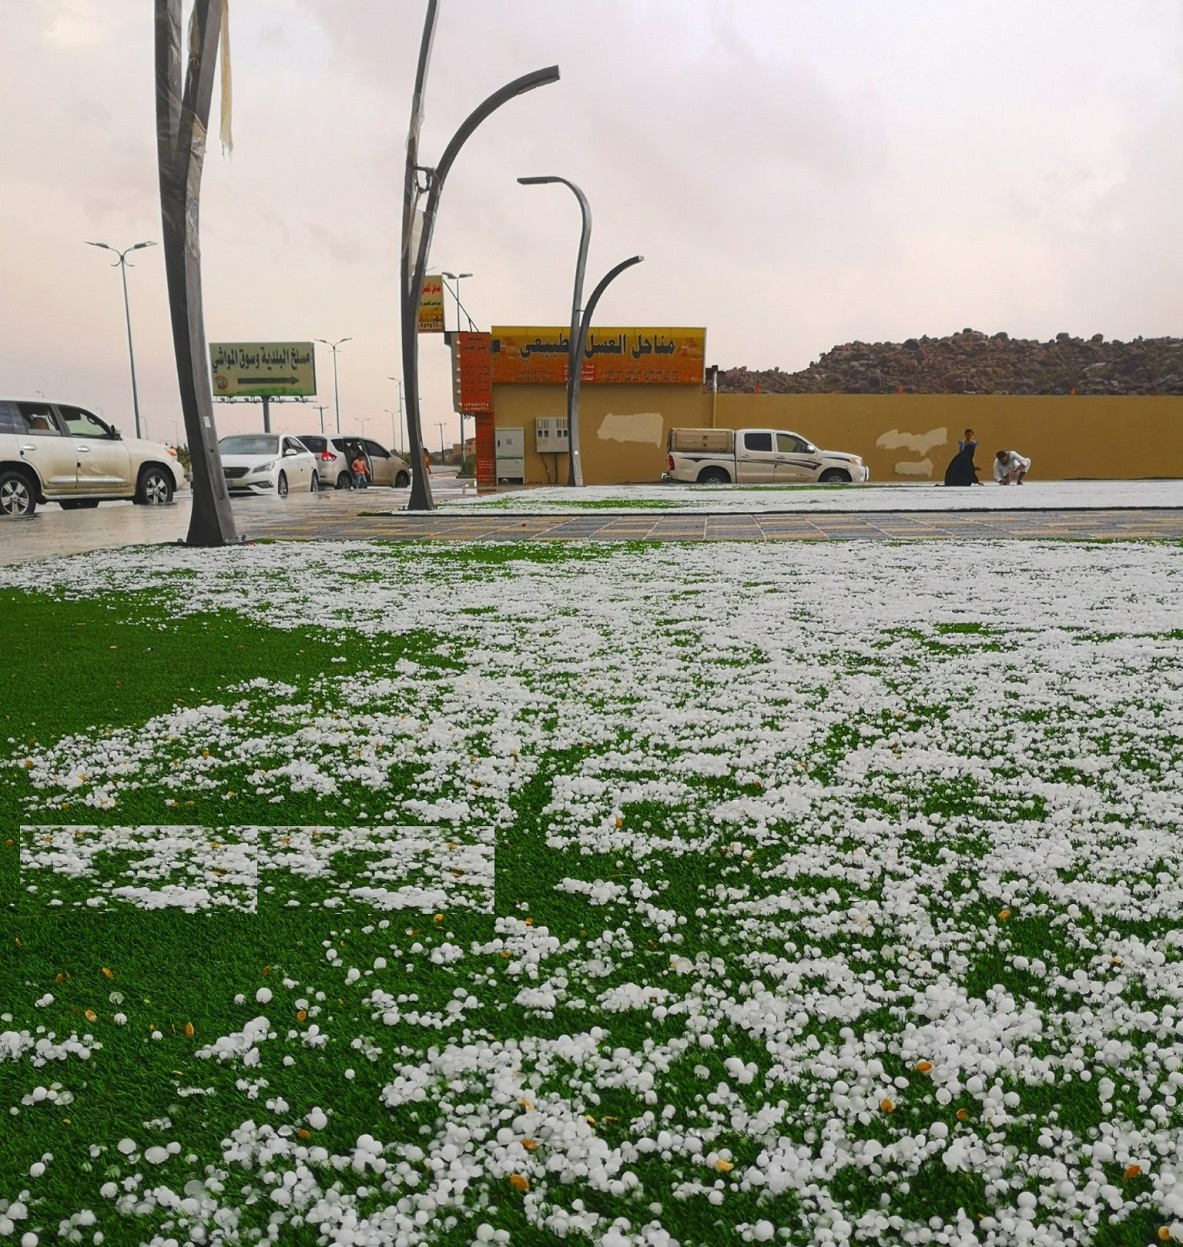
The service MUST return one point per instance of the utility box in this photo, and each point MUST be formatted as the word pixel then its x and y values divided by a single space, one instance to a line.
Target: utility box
pixel 550 435
pixel 511 455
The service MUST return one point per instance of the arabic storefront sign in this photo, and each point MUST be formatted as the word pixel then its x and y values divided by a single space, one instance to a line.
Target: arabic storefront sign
pixel 522 355
pixel 262 369
pixel 474 386
pixel 431 306
pixel 486 451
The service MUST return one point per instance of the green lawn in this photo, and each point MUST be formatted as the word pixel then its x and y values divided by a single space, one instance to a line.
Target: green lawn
pixel 598 893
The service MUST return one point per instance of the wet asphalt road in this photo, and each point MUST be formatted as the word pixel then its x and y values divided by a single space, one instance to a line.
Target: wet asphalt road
pixel 374 513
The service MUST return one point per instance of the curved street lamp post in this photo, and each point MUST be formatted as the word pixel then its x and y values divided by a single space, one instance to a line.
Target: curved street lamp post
pixel 122 263
pixel 580 322
pixel 419 224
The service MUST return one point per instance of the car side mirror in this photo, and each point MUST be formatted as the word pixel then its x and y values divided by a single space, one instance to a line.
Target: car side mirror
pixel 290 450
pixel 116 436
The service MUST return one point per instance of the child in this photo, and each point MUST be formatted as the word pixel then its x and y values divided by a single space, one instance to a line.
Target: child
pixel 358 468
pixel 968 440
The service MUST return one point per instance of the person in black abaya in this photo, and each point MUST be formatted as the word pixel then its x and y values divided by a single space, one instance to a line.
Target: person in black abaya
pixel 961 469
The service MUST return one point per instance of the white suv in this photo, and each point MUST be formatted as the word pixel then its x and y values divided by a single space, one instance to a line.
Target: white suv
pixel 56 452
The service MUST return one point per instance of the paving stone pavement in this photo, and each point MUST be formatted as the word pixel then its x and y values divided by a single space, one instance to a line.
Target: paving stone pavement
pixel 374 515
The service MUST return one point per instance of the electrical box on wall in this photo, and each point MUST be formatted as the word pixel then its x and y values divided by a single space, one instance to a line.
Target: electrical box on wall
pixel 550 435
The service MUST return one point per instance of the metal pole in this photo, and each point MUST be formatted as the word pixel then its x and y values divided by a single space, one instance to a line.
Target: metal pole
pixel 574 347
pixel 418 227
pixel 320 408
pixel 336 392
pixel 131 354
pixel 266 413
pixel 443 456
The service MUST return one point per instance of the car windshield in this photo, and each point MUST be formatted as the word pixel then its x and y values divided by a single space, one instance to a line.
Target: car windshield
pixel 249 444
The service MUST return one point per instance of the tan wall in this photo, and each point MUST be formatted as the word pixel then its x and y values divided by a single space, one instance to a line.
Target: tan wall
pixel 900 436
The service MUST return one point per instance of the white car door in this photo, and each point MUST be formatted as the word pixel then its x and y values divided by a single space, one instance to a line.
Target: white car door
pixel 794 463
pixel 381 463
pixel 297 463
pixel 102 462
pixel 756 458
pixel 42 445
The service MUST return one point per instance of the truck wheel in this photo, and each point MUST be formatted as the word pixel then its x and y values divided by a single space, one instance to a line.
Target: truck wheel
pixel 834 476
pixel 18 493
pixel 154 488
pixel 713 476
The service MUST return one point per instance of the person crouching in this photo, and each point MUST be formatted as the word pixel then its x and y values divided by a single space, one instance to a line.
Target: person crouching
pixel 1010 467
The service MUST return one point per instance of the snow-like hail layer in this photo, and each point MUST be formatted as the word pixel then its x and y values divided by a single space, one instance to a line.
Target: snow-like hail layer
pixel 880 845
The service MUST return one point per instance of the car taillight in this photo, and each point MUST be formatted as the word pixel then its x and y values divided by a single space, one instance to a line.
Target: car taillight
pixel 669 463
pixel 327 456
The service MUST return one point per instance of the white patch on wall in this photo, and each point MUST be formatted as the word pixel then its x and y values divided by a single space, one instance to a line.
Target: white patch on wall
pixel 640 426
pixel 914 467
pixel 921 443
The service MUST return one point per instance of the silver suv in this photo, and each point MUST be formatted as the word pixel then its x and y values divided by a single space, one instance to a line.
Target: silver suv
pixel 335 454
pixel 56 452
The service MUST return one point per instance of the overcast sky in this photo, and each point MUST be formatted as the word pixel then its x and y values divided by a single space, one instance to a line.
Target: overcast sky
pixel 797 173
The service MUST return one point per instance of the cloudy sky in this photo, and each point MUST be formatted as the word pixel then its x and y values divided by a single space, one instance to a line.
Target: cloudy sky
pixel 797 173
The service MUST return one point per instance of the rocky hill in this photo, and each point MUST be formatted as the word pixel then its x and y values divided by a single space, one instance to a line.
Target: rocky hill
pixel 971 362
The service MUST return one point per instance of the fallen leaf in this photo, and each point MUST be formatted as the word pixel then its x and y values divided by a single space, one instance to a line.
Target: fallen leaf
pixel 529 1145
pixel 887 1106
pixel 518 1182
pixel 1131 1171
pixel 89 1014
pixel 724 1166
pixel 924 1067
pixel 189 1030
pixel 107 973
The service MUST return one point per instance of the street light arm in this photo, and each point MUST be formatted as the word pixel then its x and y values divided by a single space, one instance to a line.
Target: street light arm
pixel 519 86
pixel 605 282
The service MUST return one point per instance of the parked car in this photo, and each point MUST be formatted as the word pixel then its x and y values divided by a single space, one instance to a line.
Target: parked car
pixel 331 462
pixel 58 452
pixel 335 454
pixel 756 457
pixel 268 463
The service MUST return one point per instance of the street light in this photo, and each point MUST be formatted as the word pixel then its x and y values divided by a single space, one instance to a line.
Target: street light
pixel 398 432
pixel 422 183
pixel 363 422
pixel 122 263
pixel 443 453
pixel 457 278
pixel 336 392
pixel 574 354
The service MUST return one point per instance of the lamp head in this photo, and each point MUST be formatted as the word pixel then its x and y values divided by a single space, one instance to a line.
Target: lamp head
pixel 541 181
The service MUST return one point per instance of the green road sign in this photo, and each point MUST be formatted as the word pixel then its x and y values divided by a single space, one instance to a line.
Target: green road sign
pixel 262 369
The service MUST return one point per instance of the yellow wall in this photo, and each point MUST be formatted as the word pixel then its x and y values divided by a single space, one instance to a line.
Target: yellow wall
pixel 901 436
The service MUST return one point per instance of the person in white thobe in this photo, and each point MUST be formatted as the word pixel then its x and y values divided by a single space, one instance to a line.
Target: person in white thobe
pixel 1010 467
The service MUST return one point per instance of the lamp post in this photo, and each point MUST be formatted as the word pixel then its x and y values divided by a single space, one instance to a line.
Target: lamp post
pixel 398 432
pixel 122 263
pixel 574 350
pixel 336 392
pixel 443 453
pixel 321 408
pixel 423 182
pixel 363 422
pixel 458 278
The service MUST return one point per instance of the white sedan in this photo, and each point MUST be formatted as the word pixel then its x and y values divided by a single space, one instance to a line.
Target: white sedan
pixel 268 463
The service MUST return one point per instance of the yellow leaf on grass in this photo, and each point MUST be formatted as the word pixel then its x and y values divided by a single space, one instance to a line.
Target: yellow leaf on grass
pixel 189 1030
pixel 924 1067
pixel 724 1166
pixel 89 1014
pixel 887 1106
pixel 529 1145
pixel 518 1182
pixel 107 973
pixel 1131 1171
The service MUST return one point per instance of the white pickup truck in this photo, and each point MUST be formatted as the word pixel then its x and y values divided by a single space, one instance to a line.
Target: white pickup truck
pixel 756 457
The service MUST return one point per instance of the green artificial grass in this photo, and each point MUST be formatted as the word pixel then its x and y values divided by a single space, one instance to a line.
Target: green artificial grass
pixel 90 667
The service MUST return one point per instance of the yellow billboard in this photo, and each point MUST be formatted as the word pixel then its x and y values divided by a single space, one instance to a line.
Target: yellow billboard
pixel 523 355
pixel 431 305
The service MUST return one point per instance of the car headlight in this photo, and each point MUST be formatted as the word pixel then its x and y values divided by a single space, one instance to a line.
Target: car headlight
pixel 265 467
